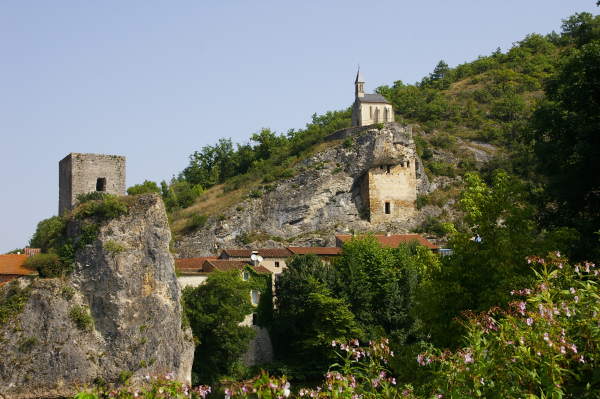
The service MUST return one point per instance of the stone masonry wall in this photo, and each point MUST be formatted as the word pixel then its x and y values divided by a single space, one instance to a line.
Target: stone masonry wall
pixel 397 188
pixel 84 173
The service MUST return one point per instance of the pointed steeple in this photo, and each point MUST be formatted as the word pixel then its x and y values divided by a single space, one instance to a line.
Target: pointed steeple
pixel 359 85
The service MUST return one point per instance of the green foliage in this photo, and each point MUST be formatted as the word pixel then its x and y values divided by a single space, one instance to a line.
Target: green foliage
pixel 307 316
pixel 82 318
pixel 12 300
pixel 423 200
pixel 113 247
pixel 543 345
pixel 47 265
pixel 91 196
pixel 179 194
pixel 67 292
pixel 441 169
pixel 379 286
pixel 48 233
pixel 197 222
pixel 347 143
pixel 432 225
pixel 488 260
pixel 255 193
pixel 215 310
pixel 144 188
pixel 566 142
pixel 239 208
pixel 110 207
pixel 157 386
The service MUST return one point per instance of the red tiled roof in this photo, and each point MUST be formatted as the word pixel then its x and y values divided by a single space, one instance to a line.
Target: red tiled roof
pixel 13 264
pixel 327 251
pixel 395 239
pixel 225 265
pixel 191 264
pixel 264 252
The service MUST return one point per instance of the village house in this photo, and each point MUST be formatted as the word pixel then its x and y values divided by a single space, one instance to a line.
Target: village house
pixel 11 265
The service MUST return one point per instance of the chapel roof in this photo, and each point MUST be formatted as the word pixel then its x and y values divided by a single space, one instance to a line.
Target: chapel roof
pixel 373 98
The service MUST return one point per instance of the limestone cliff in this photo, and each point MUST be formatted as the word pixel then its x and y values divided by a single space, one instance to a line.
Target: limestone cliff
pixel 125 279
pixel 323 199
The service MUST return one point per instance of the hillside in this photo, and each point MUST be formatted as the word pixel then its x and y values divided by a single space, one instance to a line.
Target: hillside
pixel 471 118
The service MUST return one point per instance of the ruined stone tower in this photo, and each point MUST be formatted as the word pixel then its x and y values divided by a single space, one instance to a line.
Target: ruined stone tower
pixel 85 173
pixel 389 187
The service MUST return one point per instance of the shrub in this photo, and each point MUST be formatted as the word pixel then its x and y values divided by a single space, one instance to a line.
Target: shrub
pixel 442 169
pixel 423 200
pixel 347 143
pixel 47 265
pixel 109 207
pixel 13 301
pixel 197 221
pixel 256 193
pixel 239 208
pixel 81 317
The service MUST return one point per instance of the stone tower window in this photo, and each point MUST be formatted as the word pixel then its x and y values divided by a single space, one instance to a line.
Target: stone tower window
pixel 101 184
pixel 408 164
pixel 388 169
pixel 387 208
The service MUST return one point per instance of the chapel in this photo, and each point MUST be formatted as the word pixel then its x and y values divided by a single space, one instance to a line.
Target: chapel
pixel 369 109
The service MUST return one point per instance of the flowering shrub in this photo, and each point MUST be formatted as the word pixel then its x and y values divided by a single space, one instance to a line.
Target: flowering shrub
pixel 544 345
pixel 362 374
pixel 158 387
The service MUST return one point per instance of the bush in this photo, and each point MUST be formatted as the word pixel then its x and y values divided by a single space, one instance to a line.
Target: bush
pixel 81 317
pixel 197 221
pixel 146 187
pixel 347 142
pixel 13 301
pixel 442 169
pixel 423 200
pixel 256 193
pixel 109 208
pixel 47 265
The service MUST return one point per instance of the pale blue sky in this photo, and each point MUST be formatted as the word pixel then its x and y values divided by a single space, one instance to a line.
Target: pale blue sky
pixel 155 81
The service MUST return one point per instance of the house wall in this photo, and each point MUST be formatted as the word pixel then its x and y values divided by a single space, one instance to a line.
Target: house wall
pixel 79 174
pixel 397 188
pixel 194 280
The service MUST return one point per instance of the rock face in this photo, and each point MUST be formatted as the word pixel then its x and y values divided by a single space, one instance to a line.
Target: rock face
pixel 126 281
pixel 324 197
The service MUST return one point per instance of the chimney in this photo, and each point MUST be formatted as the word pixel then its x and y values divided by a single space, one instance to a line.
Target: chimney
pixel 29 252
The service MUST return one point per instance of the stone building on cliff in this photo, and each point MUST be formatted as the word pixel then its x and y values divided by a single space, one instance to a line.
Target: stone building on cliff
pixel 86 173
pixel 369 109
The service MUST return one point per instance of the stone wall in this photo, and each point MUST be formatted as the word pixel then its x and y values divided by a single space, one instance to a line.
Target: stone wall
pixel 85 173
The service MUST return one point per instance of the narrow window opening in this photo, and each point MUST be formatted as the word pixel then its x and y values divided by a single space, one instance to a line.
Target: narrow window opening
pixel 246 276
pixel 254 319
pixel 101 184
pixel 254 297
pixel 276 264
pixel 388 169
pixel 408 164
pixel 387 208
pixel 381 167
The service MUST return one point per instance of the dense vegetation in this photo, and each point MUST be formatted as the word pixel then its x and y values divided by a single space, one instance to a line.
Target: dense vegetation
pixel 57 246
pixel 214 311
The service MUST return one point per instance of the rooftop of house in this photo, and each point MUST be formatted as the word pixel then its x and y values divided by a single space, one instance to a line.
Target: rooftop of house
pixel 12 265
pixel 393 240
pixel 246 253
pixel 321 251
pixel 208 264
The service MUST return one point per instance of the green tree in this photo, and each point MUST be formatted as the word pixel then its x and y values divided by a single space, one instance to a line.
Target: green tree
pixel 215 311
pixel 566 142
pixel 308 317
pixel 489 260
pixel 379 285
pixel 146 187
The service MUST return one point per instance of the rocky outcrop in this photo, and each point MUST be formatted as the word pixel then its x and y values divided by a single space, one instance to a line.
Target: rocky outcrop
pixel 126 281
pixel 323 199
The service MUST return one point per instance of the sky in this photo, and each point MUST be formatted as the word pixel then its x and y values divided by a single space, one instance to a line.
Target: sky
pixel 155 81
